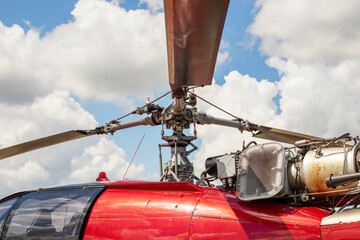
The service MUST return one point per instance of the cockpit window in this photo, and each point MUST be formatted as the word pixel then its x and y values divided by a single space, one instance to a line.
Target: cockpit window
pixel 5 208
pixel 55 214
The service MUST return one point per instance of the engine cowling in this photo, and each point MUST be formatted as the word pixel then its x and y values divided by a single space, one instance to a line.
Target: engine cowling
pixel 316 166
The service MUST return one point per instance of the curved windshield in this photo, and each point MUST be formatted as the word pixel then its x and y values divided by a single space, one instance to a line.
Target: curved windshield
pixel 5 208
pixel 55 214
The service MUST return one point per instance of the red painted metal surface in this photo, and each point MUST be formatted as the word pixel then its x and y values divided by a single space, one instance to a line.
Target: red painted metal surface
pixel 231 218
pixel 138 210
pixel 142 214
pixel 154 186
pixel 344 231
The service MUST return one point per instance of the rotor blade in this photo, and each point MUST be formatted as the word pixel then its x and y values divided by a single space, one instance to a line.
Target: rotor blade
pixel 44 142
pixel 257 130
pixel 280 135
pixel 193 33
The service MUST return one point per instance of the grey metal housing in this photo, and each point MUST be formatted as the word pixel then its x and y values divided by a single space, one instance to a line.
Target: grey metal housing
pixel 262 172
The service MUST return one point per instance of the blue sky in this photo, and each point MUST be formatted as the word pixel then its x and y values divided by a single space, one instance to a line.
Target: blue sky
pixel 72 64
pixel 42 14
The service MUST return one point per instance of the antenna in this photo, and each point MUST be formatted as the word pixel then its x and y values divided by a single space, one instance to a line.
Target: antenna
pixel 133 157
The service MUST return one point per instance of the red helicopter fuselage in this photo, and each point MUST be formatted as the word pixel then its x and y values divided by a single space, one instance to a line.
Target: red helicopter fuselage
pixel 181 210
pixel 159 210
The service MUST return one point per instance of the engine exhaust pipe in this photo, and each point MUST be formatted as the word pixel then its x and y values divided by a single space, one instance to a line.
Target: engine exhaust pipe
pixel 335 181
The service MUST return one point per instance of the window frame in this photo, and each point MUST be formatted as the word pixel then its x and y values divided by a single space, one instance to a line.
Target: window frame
pixel 15 196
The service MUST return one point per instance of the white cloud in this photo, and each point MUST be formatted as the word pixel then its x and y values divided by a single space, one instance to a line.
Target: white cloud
pixel 24 177
pixel 153 5
pixel 242 96
pixel 53 113
pixel 224 44
pixel 308 31
pixel 50 114
pixel 315 48
pixel 314 45
pixel 19 75
pixel 104 156
pixel 223 57
pixel 319 99
pixel 63 163
pixel 106 53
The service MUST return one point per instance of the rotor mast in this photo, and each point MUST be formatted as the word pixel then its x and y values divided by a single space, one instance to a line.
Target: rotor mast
pixel 193 34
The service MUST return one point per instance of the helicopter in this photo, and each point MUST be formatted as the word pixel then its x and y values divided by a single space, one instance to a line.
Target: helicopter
pixel 297 187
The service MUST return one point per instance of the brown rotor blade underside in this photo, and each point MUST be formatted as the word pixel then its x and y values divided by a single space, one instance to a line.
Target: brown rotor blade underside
pixel 281 135
pixel 193 33
pixel 42 142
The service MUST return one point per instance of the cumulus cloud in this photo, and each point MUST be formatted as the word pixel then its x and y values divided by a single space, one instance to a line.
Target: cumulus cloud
pixel 223 54
pixel 19 76
pixel 317 98
pixel 106 53
pixel 53 113
pixel 244 97
pixel 224 44
pixel 104 156
pixel 19 178
pixel 49 114
pixel 241 95
pixel 314 47
pixel 308 31
pixel 222 57
pixel 153 5
pixel 75 161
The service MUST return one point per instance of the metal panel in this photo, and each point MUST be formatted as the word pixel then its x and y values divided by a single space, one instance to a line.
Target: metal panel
pixel 206 214
pixel 155 186
pixel 262 170
pixel 226 166
pixel 220 215
pixel 141 214
pixel 342 231
pixel 347 216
